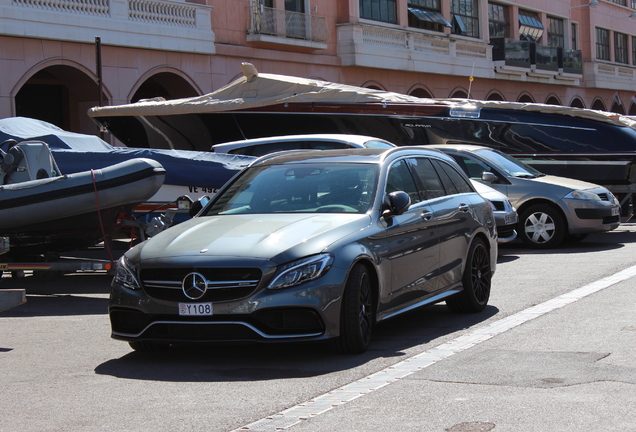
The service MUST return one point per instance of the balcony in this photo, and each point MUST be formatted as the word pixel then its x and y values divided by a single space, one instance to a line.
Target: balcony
pixel 153 24
pixel 283 27
pixel 514 57
pixel 410 49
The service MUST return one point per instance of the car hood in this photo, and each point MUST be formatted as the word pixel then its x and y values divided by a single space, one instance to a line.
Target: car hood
pixel 566 183
pixel 261 236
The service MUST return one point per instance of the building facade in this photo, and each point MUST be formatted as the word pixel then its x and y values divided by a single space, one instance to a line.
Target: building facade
pixel 61 57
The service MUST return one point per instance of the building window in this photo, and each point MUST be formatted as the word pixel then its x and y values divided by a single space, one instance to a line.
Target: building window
pixel 379 10
pixel 556 35
pixel 575 37
pixel 634 50
pixel 530 27
pixel 602 44
pixel 498 22
pixel 465 17
pixel 620 48
pixel 426 14
pixel 620 2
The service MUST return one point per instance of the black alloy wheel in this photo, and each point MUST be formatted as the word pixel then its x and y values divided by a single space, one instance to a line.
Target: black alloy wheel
pixel 476 281
pixel 357 316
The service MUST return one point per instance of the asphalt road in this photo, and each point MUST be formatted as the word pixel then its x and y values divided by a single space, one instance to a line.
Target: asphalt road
pixel 553 352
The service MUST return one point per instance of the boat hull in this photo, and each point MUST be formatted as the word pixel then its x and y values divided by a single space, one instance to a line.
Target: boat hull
pixel 74 211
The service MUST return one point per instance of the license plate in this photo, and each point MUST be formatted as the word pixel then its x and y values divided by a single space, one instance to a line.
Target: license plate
pixel 615 211
pixel 511 219
pixel 195 309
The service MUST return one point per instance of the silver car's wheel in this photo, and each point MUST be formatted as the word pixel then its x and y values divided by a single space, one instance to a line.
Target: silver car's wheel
pixel 541 226
pixel 357 316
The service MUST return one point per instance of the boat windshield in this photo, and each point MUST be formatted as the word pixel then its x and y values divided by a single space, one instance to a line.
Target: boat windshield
pixel 509 164
pixel 299 188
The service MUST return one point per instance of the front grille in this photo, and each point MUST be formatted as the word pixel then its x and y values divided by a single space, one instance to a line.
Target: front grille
pixel 224 284
pixel 611 220
pixel 505 231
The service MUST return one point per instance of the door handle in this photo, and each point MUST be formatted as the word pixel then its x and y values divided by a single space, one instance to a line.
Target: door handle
pixel 427 215
pixel 464 208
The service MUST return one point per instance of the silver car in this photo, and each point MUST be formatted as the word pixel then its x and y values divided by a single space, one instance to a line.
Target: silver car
pixel 311 245
pixel 505 213
pixel 550 208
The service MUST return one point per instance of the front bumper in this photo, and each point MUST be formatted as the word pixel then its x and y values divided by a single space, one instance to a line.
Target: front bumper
pixel 591 216
pixel 307 312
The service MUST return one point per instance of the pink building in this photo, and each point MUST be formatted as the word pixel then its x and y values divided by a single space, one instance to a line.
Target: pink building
pixel 565 52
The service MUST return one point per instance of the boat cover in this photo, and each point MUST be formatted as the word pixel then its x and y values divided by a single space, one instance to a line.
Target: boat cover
pixel 75 153
pixel 254 90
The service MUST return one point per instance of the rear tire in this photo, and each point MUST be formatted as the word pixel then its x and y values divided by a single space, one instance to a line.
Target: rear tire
pixel 357 316
pixel 476 281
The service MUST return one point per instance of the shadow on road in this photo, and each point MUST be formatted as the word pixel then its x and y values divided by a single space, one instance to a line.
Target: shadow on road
pixel 262 362
pixel 76 294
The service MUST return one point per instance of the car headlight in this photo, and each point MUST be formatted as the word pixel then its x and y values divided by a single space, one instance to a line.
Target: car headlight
pixel 126 274
pixel 301 271
pixel 582 195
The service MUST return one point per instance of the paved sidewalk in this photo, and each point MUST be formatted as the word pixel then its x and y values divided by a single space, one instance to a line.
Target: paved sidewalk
pixel 571 369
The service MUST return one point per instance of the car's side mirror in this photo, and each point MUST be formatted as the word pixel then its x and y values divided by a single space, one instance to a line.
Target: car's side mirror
pixel 489 177
pixel 396 203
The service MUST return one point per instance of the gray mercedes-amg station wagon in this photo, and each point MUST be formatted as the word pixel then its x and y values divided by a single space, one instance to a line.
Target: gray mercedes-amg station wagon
pixel 311 245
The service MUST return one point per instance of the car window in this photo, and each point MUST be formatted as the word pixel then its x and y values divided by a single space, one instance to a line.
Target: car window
pixel 400 179
pixel 326 145
pixel 472 167
pixel 266 148
pixel 307 188
pixel 509 164
pixel 374 144
pixel 450 176
pixel 431 184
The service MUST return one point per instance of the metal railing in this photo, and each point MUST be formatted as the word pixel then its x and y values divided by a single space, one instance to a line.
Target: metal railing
pixel 527 54
pixel 288 24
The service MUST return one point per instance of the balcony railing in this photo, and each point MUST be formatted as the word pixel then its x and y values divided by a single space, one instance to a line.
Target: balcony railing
pixel 287 24
pixel 168 24
pixel 525 54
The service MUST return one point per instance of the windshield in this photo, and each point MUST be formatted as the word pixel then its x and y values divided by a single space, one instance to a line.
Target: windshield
pixel 508 164
pixel 299 188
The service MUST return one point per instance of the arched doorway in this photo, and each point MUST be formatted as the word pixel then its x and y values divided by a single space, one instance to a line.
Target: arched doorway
pixel 618 108
pixel 459 94
pixel 495 96
pixel 598 104
pixel 552 100
pixel 525 98
pixel 373 85
pixel 60 95
pixel 577 103
pixel 166 85
pixel 421 93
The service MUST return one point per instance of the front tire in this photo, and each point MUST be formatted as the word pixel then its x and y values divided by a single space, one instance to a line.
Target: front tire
pixel 357 316
pixel 541 226
pixel 476 281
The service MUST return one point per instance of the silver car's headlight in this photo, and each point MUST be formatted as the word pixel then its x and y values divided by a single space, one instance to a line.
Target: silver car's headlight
pixel 301 271
pixel 583 195
pixel 126 274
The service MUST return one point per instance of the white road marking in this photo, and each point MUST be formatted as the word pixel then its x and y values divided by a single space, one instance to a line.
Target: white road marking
pixel 323 403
